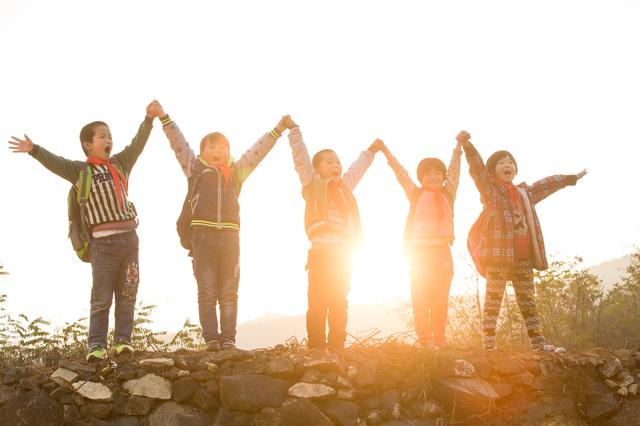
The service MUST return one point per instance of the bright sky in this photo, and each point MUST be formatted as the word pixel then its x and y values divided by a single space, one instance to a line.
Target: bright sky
pixel 554 82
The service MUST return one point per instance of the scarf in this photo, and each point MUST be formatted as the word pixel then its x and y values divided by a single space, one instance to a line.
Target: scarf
pixel 118 180
pixel 440 201
pixel 225 171
pixel 512 192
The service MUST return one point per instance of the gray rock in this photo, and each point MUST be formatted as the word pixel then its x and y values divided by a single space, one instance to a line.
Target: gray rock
pixel 633 389
pixel 627 358
pixel 183 389
pixel 173 414
pixel 77 366
pixel 463 368
pixel 311 390
pixel 343 413
pixel 279 367
pixel 97 410
pixel 202 376
pixel 346 394
pixel 610 368
pixel 40 409
pixel 232 418
pixel 597 403
pixel 326 362
pixel 302 412
pixel 248 366
pixel 137 406
pixel 150 385
pixel 192 362
pixel 251 392
pixel 12 375
pixel 156 362
pixel 70 413
pixel 64 374
pixel 470 396
pixel 93 391
pixel 6 393
pixel 366 376
pixel 126 421
pixel 204 400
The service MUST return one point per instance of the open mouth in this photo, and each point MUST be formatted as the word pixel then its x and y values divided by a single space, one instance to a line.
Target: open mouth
pixel 107 149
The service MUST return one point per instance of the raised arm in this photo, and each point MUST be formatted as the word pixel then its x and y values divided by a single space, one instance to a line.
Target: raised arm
pixel 544 187
pixel 301 160
pixel 402 176
pixel 184 154
pixel 129 155
pixel 66 169
pixel 254 155
pixel 352 176
pixel 477 168
pixel 453 171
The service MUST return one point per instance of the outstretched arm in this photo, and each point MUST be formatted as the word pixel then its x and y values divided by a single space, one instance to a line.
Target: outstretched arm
pixel 129 155
pixel 66 169
pixel 301 160
pixel 184 154
pixel 254 155
pixel 453 171
pixel 477 169
pixel 402 176
pixel 352 176
pixel 544 187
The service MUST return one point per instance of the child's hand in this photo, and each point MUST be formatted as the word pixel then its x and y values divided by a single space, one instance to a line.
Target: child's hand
pixel 21 145
pixel 282 124
pixel 463 137
pixel 376 146
pixel 154 109
pixel 289 122
pixel 581 174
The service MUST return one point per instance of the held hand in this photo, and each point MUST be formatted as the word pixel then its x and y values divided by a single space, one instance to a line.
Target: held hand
pixel 376 146
pixel 21 145
pixel 581 174
pixel 462 137
pixel 282 124
pixel 154 109
pixel 289 122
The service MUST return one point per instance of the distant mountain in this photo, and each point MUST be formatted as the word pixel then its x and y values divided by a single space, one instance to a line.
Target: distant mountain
pixel 272 329
pixel 611 271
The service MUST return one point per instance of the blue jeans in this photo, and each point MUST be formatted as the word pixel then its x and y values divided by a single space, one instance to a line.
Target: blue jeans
pixel 216 256
pixel 114 263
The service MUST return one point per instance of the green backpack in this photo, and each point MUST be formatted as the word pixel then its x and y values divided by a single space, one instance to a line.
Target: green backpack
pixel 76 203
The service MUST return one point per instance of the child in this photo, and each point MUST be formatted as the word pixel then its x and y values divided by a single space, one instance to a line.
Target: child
pixel 428 235
pixel 332 222
pixel 216 223
pixel 511 244
pixel 112 221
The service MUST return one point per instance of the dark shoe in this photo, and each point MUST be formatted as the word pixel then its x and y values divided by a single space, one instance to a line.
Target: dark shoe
pixel 213 346
pixel 228 344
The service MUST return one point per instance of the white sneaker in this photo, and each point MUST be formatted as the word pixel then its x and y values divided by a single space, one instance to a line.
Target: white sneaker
pixel 551 349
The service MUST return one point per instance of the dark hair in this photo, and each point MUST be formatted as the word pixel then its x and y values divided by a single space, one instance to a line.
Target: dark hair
pixel 317 157
pixel 430 163
pixel 497 156
pixel 87 132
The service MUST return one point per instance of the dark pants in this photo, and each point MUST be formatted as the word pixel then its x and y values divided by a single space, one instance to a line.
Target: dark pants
pixel 114 264
pixel 431 274
pixel 329 278
pixel 216 256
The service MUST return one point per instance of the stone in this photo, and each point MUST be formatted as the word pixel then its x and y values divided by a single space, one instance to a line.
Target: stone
pixel 509 367
pixel 204 400
pixel 470 396
pixel 70 413
pixel 375 418
pixel 352 372
pixel 233 418
pixel 626 381
pixel 97 410
pixel 388 401
pixel 627 358
pixel 279 367
pixel 64 374
pixel 126 421
pixel 325 362
pixel 597 403
pixel 173 414
pixel 311 390
pixel 156 362
pixel 150 386
pixel 213 368
pixel 341 382
pixel 93 391
pixel 525 378
pixel 463 368
pixel 628 415
pixel 623 391
pixel 248 366
pixel 303 412
pixel 212 386
pixel 345 394
pixel 426 407
pixel 12 375
pixel 367 374
pixel 230 355
pixel 183 389
pixel 311 376
pixel 633 389
pixel 202 375
pixel 192 362
pixel 77 366
pixel 137 406
pixel 610 368
pixel 610 383
pixel 6 393
pixel 343 413
pixel 251 392
pixel 38 409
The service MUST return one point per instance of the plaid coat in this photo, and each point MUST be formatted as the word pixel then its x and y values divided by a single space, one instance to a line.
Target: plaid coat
pixel 497 241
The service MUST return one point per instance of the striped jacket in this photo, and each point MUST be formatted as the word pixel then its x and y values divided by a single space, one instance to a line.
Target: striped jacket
pixel 102 206
pixel 214 204
pixel 497 242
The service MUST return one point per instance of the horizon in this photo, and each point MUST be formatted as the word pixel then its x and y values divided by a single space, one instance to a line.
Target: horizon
pixel 555 84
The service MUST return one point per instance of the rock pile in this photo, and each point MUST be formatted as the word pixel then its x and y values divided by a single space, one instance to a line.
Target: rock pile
pixel 384 384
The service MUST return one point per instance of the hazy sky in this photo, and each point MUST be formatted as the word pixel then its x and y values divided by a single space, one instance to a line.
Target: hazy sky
pixel 554 82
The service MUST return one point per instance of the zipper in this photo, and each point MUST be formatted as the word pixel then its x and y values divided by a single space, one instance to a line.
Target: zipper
pixel 219 200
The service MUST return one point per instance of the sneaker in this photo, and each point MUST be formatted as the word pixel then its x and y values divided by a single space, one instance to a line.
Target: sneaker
pixel 96 353
pixel 122 348
pixel 213 346
pixel 551 349
pixel 228 344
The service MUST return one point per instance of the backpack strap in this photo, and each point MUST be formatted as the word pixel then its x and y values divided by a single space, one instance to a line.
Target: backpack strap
pixel 84 185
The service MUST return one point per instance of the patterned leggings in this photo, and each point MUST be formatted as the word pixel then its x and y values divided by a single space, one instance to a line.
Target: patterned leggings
pixel 522 280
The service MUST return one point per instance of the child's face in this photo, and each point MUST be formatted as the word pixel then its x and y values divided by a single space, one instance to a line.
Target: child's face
pixel 329 166
pixel 216 151
pixel 506 169
pixel 101 143
pixel 432 179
